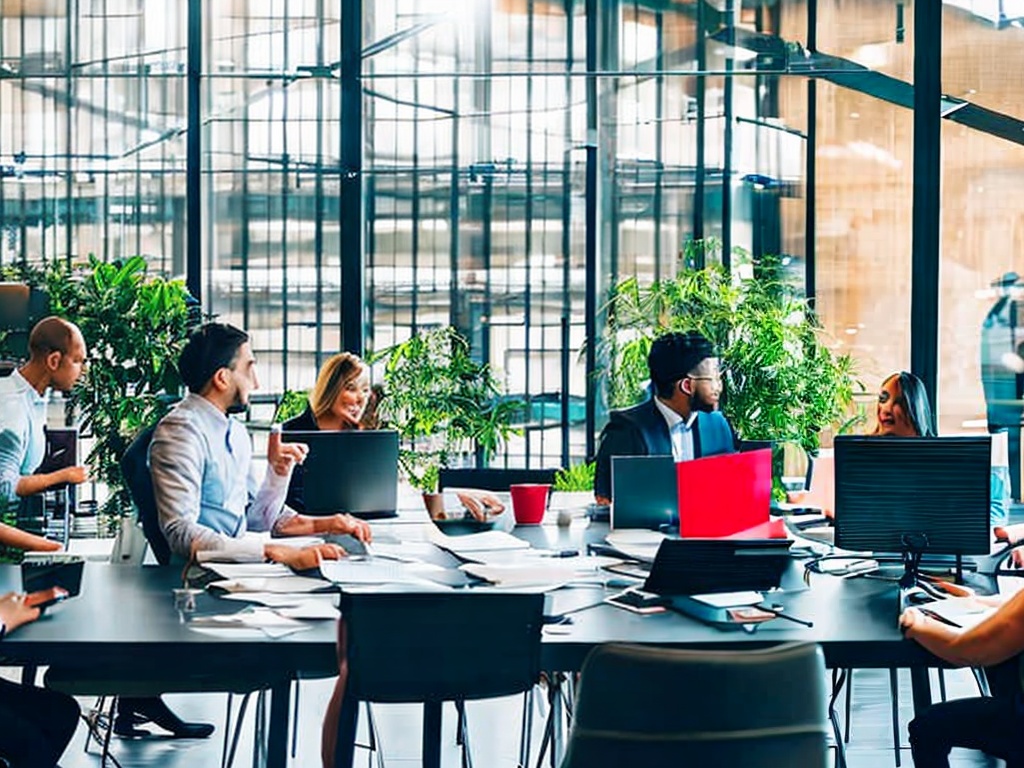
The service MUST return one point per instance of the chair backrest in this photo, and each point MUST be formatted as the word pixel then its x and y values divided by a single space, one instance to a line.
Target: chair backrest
pixel 135 469
pixel 464 645
pixel 493 478
pixel 761 708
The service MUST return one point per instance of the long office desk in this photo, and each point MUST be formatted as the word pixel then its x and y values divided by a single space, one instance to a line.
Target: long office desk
pixel 125 618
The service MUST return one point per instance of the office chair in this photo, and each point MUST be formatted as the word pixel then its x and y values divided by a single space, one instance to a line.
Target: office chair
pixel 762 708
pixel 493 478
pixel 468 647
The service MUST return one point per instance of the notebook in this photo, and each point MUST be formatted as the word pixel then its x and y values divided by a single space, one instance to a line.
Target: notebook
pixel 643 492
pixel 353 471
pixel 725 494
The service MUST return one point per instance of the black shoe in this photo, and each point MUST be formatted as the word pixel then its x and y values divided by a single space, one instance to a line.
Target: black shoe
pixel 135 712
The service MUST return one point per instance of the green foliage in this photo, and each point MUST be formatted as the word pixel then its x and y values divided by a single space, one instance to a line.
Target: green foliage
pixel 442 402
pixel 578 477
pixel 134 325
pixel 781 381
pixel 293 402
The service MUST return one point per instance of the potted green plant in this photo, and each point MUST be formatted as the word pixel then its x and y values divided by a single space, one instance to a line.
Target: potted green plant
pixel 782 381
pixel 445 405
pixel 135 325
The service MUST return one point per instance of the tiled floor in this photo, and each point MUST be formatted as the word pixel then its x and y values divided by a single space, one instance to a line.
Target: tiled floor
pixel 494 731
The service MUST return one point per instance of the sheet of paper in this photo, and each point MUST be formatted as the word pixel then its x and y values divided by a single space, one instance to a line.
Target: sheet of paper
pixel 263 619
pixel 730 599
pixel 637 544
pixel 965 612
pixel 278 600
pixel 376 571
pixel 276 584
pixel 525 575
pixel 315 610
pixel 476 542
pixel 249 570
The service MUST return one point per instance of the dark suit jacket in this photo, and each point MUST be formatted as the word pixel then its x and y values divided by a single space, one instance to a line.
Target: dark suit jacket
pixel 642 431
pixel 306 423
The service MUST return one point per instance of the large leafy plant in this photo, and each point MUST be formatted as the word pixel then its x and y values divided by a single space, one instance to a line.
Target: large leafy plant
pixel 782 381
pixel 135 325
pixel 443 403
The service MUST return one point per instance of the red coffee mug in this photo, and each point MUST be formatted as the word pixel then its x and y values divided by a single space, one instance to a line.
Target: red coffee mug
pixel 529 500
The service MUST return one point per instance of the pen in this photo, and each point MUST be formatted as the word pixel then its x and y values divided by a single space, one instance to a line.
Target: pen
pixel 562 553
pixel 938 617
pixel 777 610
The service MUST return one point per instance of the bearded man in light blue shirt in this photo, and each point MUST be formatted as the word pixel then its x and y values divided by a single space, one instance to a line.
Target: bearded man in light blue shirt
pixel 207 495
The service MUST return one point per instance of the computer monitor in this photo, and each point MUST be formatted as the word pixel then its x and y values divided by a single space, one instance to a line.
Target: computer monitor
pixel 353 471
pixel 916 495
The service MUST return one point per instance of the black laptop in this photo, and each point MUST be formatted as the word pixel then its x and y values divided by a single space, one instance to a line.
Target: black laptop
pixel 702 566
pixel 644 492
pixel 353 471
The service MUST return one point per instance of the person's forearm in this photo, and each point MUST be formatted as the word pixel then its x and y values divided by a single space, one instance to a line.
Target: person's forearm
pixel 18 539
pixel 301 525
pixel 29 485
pixel 940 640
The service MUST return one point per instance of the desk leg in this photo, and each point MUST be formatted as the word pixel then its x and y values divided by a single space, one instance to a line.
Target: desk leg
pixel 557 733
pixel 921 687
pixel 277 741
pixel 344 750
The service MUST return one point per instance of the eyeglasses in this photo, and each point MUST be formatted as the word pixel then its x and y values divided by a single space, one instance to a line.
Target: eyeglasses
pixel 717 378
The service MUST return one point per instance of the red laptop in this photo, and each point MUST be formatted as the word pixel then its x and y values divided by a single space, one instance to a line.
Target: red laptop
pixel 723 495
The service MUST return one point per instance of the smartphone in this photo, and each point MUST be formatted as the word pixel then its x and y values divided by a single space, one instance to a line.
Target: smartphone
pixel 45 597
pixel 638 601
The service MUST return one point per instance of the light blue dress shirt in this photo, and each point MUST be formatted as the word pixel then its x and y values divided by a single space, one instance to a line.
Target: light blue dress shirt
pixel 207 495
pixel 22 438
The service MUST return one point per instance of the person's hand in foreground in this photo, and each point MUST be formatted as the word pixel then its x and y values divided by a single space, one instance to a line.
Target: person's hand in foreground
pixel 14 612
pixel 303 558
pixel 1012 534
pixel 281 456
pixel 481 504
pixel 343 523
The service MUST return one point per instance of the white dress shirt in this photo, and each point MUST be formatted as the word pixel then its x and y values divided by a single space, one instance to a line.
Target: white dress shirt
pixel 679 430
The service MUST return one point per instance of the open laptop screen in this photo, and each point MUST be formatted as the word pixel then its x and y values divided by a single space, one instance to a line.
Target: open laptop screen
pixel 354 471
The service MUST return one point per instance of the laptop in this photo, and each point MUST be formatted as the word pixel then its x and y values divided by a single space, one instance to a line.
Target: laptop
pixel 702 566
pixel 353 471
pixel 643 492
pixel 725 494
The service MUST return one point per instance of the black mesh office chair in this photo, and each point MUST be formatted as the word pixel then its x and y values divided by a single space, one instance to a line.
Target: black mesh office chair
pixel 493 478
pixel 761 708
pixel 467 647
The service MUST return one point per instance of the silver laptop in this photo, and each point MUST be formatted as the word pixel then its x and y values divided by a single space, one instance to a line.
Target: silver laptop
pixel 644 492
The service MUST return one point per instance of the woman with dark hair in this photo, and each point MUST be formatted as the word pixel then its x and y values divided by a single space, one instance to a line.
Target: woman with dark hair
pixel 903 409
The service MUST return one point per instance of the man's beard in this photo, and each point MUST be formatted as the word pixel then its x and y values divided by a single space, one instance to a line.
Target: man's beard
pixel 698 403
pixel 237 406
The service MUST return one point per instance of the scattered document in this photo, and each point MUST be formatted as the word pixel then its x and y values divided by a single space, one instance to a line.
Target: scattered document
pixel 279 600
pixel 263 619
pixel 277 584
pixel 635 543
pixel 533 573
pixel 730 599
pixel 249 570
pixel 964 612
pixel 476 542
pixel 376 571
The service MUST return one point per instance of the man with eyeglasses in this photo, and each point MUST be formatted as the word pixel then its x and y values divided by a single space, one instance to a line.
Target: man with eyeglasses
pixel 681 418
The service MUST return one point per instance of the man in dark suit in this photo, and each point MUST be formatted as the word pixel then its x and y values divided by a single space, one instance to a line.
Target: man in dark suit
pixel 681 419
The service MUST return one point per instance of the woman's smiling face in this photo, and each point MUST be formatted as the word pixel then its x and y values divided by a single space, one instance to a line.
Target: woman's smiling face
pixel 892 414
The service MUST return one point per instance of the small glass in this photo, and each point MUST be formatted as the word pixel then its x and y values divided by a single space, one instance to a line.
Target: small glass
pixel 185 602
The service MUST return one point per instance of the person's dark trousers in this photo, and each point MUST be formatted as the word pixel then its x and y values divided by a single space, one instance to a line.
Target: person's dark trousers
pixel 991 725
pixel 36 725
